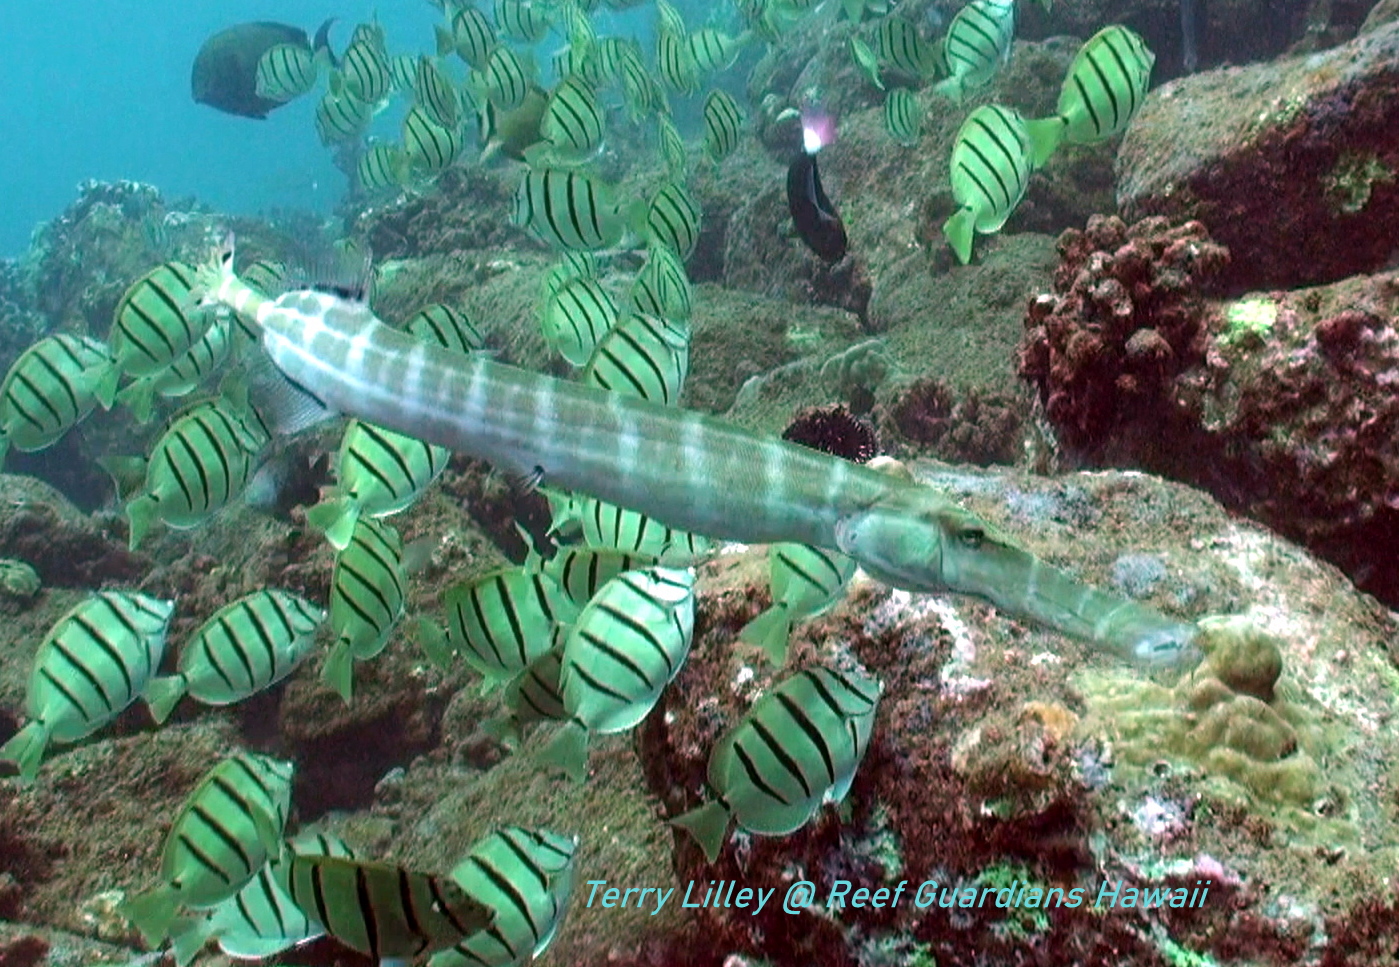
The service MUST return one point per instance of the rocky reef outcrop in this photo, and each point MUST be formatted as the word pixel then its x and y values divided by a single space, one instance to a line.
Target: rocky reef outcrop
pixel 1289 164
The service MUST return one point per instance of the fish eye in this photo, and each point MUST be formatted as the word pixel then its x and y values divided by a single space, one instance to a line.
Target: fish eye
pixel 973 537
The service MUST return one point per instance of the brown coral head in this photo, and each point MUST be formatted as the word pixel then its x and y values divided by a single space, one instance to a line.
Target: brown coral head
pixel 834 430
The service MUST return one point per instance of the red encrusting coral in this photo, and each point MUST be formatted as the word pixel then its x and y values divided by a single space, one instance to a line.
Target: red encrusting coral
pixel 1124 319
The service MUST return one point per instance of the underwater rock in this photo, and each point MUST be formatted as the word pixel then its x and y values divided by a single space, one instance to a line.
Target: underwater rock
pixel 467 209
pixel 65 547
pixel 926 418
pixel 1002 753
pixel 19 583
pixel 1124 319
pixel 1294 171
pixel 1280 404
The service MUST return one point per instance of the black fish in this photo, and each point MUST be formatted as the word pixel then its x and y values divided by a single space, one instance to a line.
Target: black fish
pixel 225 70
pixel 816 219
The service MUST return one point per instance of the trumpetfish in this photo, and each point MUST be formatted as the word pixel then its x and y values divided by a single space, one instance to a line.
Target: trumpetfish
pixel 685 469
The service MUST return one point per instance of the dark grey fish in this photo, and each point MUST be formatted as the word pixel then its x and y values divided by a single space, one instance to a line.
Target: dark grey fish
pixel 224 75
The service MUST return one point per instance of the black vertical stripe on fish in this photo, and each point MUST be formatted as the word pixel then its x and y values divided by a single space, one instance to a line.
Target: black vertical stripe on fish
pixel 225 837
pixel 803 722
pixel 68 696
pixel 211 655
pixel 597 685
pixel 264 636
pixel 85 673
pixel 618 656
pixel 503 883
pixel 107 647
pixel 755 777
pixel 646 634
pixel 816 220
pixel 367 910
pixel 444 906
pixel 783 757
pixel 202 859
pixel 63 384
pixel 318 894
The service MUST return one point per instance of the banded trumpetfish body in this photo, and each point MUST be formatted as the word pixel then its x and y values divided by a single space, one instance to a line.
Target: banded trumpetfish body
pixel 688 470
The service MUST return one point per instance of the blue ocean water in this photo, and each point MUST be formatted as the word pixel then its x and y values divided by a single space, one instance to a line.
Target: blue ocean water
pixel 100 89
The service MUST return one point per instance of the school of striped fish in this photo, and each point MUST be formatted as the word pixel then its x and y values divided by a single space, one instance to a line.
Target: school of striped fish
pixel 582 638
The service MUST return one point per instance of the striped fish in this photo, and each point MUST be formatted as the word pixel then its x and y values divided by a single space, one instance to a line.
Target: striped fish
pixel 521 20
pixel 1102 92
pixel 898 43
pixel 723 123
pixel 568 210
pixel 688 469
pixel 368 593
pixel 531 697
pixel 669 19
pixel 642 356
pixel 382 167
pixel 573 265
pixel 504 620
pixel 673 219
pixel 526 877
pixel 576 317
pixel 92 664
pixel 581 570
pixel 504 80
pixel 472 36
pixel 228 828
pixel 285 72
pixel 640 93
pixel 977 45
pixel 268 276
pixel 805 581
pixel 672 146
pixel 261 921
pixel 713 51
pixel 622 651
pixel 435 94
pixel 903 118
pixel 430 147
pixel 573 121
pixel 578 28
pixel 200 464
pixel 797 748
pixel 157 320
pixel 378 473
pixel 364 73
pixel 384 911
pixel 447 327
pixel 991 167
pixel 403 68
pixel 865 59
pixel 183 376
pixel 341 117
pixel 661 287
pixel 674 63
pixel 609 527
pixel 246 646
pixel 51 388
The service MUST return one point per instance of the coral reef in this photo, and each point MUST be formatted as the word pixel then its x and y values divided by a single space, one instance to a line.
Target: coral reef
pixel 1295 149
pixel 926 418
pixel 1278 402
pixel 1125 318
pixel 65 547
pixel 1001 759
